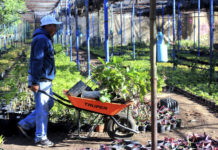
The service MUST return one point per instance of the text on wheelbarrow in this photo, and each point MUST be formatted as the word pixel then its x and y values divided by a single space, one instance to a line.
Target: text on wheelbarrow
pixel 95 106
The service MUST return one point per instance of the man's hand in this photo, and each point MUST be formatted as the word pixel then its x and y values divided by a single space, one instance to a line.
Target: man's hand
pixel 34 88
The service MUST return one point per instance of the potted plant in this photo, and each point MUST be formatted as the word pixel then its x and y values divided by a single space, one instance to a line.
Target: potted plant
pixel 100 128
pixel 162 126
pixel 173 124
pixel 142 125
pixel 168 126
pixel 178 123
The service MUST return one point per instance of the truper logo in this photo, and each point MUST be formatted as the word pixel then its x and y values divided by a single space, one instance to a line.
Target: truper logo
pixel 96 106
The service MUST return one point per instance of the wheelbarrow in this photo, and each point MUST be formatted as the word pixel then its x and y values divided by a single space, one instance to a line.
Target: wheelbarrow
pixel 118 124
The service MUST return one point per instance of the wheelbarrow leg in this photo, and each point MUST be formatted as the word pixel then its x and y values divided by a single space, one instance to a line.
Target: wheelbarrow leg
pixel 90 130
pixel 94 126
pixel 78 123
pixel 78 126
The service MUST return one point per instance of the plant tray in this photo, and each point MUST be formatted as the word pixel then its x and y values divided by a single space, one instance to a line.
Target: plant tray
pixel 77 89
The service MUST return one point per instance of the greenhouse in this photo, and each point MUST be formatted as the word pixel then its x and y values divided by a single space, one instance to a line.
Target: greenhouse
pixel 109 74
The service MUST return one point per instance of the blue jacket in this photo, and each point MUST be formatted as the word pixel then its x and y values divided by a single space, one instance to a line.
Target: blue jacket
pixel 42 64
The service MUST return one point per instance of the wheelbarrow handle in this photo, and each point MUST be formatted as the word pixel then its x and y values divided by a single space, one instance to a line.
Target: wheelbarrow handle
pixel 59 101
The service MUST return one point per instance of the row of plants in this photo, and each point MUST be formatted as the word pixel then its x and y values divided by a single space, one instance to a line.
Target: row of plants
pixel 188 45
pixel 140 48
pixel 194 141
pixel 8 59
pixel 193 64
pixel 192 80
pixel 195 58
pixel 15 96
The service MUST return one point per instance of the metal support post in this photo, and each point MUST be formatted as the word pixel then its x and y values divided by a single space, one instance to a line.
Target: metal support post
pixel 162 19
pixel 70 32
pixel 178 29
pixel 106 30
pixel 66 27
pixel 93 29
pixel 199 7
pixel 99 29
pixel 121 26
pixel 124 29
pixel 133 22
pixel 211 40
pixel 140 34
pixel 77 36
pixel 88 36
pixel 112 30
pixel 168 30
pixel 194 28
pixel 174 34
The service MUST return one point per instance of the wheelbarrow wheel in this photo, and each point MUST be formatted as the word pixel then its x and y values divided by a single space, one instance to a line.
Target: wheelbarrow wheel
pixel 116 132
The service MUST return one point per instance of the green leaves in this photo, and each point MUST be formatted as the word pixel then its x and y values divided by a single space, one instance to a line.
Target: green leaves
pixel 122 81
pixel 9 10
pixel 104 99
pixel 195 82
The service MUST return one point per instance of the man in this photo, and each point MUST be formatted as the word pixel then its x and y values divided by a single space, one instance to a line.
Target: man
pixel 41 73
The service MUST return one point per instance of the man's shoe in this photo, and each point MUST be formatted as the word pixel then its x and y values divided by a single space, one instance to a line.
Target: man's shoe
pixel 45 143
pixel 23 131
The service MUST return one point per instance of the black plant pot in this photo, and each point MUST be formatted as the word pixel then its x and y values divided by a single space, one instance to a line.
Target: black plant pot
pixel 168 127
pixel 161 128
pixel 148 128
pixel 178 123
pixel 173 125
pixel 141 128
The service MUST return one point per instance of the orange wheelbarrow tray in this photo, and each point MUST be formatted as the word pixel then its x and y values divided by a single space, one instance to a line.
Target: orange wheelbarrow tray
pixel 95 106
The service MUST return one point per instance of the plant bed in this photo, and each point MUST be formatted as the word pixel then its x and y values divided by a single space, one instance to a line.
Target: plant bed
pixel 194 141
pixel 16 56
pixel 197 98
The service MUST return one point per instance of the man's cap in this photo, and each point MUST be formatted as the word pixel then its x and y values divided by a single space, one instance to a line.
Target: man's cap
pixel 48 19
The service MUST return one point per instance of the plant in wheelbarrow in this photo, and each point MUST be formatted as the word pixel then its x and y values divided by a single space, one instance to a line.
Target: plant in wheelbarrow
pixel 1 140
pixel 121 82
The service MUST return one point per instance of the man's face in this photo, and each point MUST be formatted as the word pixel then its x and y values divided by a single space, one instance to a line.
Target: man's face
pixel 52 29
